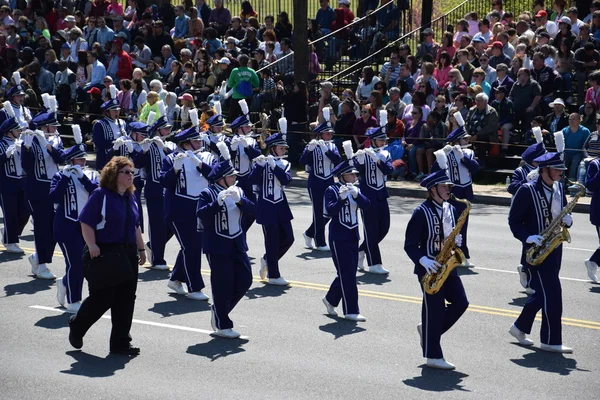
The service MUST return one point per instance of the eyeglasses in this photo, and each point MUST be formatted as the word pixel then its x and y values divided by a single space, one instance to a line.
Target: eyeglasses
pixel 127 172
pixel 364 112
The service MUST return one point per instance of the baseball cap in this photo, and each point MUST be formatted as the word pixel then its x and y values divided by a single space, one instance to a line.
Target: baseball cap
pixel 231 39
pixel 541 13
pixel 186 96
pixel 224 60
pixel 479 39
pixel 69 18
pixel 121 35
pixel 94 90
pixel 565 20
pixel 497 45
pixel 347 2
pixel 327 84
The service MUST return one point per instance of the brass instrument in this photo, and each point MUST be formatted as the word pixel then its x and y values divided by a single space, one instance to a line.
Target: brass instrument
pixel 449 257
pixel 555 233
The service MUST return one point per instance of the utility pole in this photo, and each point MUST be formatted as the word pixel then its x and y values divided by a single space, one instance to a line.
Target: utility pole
pixel 426 13
pixel 301 54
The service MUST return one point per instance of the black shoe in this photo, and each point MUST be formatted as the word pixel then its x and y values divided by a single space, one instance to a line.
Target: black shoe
pixel 76 341
pixel 127 351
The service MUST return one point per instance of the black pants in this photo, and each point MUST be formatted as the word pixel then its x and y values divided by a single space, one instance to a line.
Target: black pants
pixel 119 299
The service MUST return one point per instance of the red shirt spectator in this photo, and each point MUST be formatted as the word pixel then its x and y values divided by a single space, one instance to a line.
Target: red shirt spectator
pixel 99 8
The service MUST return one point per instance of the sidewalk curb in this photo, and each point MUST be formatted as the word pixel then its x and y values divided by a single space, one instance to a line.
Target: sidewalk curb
pixel 422 194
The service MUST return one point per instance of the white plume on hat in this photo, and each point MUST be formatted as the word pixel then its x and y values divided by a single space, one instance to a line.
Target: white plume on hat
pixel 559 139
pixel 348 151
pixel 9 109
pixel 218 108
pixel 52 103
pixel 77 133
pixel 283 126
pixel 326 114
pixel 244 106
pixel 161 108
pixel 194 117
pixel 537 132
pixel 113 91
pixel 224 150
pixel 440 157
pixel 459 118
pixel 151 117
pixel 16 77
pixel 383 118
pixel 45 98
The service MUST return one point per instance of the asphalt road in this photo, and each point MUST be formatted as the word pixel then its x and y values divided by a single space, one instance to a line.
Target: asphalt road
pixel 293 350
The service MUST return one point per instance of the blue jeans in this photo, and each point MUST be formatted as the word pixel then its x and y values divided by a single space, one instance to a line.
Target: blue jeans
pixel 572 160
pixel 567 81
pixel 412 159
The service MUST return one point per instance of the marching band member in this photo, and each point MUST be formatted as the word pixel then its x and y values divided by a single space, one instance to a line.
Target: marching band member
pixel 221 208
pixel 215 133
pixel 320 157
pixel 244 149
pixel 430 224
pixel 69 191
pixel 342 202
pixel 184 176
pixel 374 164
pixel 16 97
pixel 462 165
pixel 106 131
pixel 534 207
pixel 592 183
pixel 154 152
pixel 42 153
pixel 271 174
pixel 12 187
pixel 520 176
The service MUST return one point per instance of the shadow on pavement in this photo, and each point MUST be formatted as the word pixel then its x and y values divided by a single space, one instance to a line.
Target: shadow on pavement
pixel 6 256
pixel 313 254
pixel 265 290
pixel 341 327
pixel 179 305
pixel 595 288
pixel 372 279
pixel 463 271
pixel 94 366
pixel 151 275
pixel 54 321
pixel 218 348
pixel 519 301
pixel 436 380
pixel 548 362
pixel 31 287
pixel 28 238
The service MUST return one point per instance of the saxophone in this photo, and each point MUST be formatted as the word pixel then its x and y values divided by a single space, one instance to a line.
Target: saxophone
pixel 555 233
pixel 449 256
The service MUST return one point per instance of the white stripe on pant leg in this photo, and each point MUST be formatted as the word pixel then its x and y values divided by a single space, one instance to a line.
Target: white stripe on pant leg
pixel 4 231
pixel 266 241
pixel 314 215
pixel 545 310
pixel 367 250
pixel 425 341
pixel 340 275
pixel 69 266
pixel 189 282
pixel 213 309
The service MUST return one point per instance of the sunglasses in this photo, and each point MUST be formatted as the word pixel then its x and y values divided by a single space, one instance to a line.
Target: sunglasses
pixel 126 172
pixel 364 112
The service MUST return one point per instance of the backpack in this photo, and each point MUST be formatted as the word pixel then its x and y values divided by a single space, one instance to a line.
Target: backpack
pixel 244 88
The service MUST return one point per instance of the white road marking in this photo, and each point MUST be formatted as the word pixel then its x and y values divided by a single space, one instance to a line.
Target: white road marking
pixel 141 322
pixel 579 249
pixel 515 272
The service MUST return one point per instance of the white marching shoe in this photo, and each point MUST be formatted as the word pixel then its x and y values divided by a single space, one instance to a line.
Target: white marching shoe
pixel 278 281
pixel 73 307
pixel 355 317
pixel 264 269
pixel 177 287
pixel 161 267
pixel 468 264
pixel 308 241
pixel 556 348
pixel 61 292
pixel 44 273
pixel 330 309
pixel 377 269
pixel 323 248
pixel 227 333
pixel 14 248
pixel 420 330
pixel 33 260
pixel 592 269
pixel 197 296
pixel 520 336
pixel 439 363
pixel 361 260
pixel 522 276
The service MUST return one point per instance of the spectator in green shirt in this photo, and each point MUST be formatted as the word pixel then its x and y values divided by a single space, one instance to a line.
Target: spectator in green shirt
pixel 242 80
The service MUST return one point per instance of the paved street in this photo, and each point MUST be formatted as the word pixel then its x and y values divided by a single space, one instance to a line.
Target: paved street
pixel 293 350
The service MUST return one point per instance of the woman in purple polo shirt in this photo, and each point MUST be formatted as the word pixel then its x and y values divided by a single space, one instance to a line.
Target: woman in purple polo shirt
pixel 110 224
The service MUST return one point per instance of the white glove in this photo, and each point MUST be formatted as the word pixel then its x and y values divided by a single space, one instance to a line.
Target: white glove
pixel 312 145
pixel 243 141
pixel 222 196
pixel 447 148
pixel 129 145
pixel 261 160
pixel 360 156
pixel 159 142
pixel 145 146
pixel 11 150
pixel 458 149
pixel 28 140
pixel 193 157
pixel 235 143
pixel 567 220
pixel 458 239
pixel 271 161
pixel 42 139
pixel 322 146
pixel 371 153
pixel 68 171
pixel 117 144
pixel 344 192
pixel 353 190
pixel 537 239
pixel 76 169
pixel 430 265
pixel 178 163
pixel 381 156
pixel 234 194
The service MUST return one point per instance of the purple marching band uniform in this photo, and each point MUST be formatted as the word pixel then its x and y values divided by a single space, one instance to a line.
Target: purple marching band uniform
pixel 342 205
pixel 184 176
pixel 150 161
pixel 105 132
pixel 428 227
pixel 374 165
pixel 271 176
pixel 319 160
pixel 592 183
pixel 244 149
pixel 214 134
pixel 221 211
pixel 518 179
pixel 69 192
pixel 533 208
